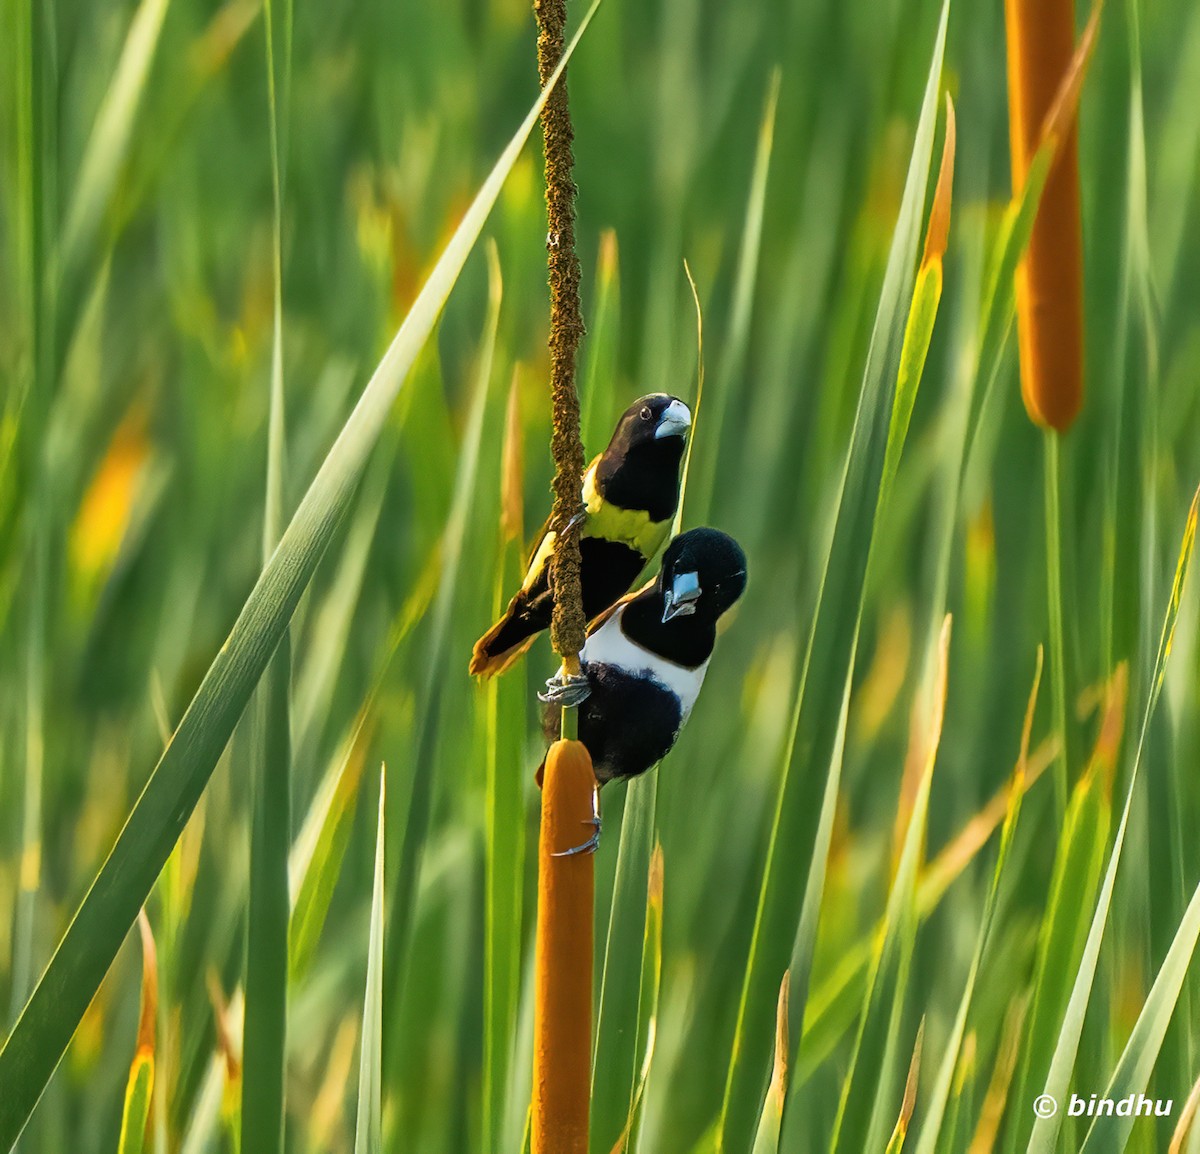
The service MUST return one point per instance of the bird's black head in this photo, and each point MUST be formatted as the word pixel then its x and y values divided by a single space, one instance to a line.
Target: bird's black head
pixel 640 467
pixel 703 574
pixel 655 417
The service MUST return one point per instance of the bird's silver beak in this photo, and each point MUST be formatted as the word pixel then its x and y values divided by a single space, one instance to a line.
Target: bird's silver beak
pixel 675 421
pixel 681 598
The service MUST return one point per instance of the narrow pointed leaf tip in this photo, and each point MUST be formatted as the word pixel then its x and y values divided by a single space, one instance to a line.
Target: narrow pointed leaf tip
pixel 909 1102
pixel 149 1011
pixel 938 231
pixel 136 1110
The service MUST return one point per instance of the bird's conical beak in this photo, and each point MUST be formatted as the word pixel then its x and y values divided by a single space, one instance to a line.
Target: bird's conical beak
pixel 681 598
pixel 674 422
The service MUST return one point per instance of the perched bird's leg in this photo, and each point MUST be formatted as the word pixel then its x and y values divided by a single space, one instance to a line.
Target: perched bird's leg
pixel 566 691
pixel 593 843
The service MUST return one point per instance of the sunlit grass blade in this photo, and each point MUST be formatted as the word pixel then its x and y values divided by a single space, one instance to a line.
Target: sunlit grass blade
pixel 868 1104
pixel 136 1112
pixel 738 335
pixel 37 1042
pixel 909 1103
pixel 268 914
pixel 1073 884
pixel 1187 1118
pixel 1045 1130
pixel 770 1121
pixel 598 378
pixel 108 145
pixel 505 813
pixel 814 725
pixel 368 1128
pixel 616 1060
pixel 316 857
pixel 935 1109
pixel 915 347
pixel 420 788
pixel 618 1052
pixel 648 999
pixel 922 313
pixel 1132 1075
pixel 996 1097
pixel 833 1004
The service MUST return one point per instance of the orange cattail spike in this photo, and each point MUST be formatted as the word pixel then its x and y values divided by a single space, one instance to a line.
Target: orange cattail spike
pixel 562 1016
pixel 1041 40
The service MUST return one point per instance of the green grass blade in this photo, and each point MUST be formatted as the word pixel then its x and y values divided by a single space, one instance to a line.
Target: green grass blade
pixel 815 716
pixel 733 358
pixel 317 856
pixel 914 350
pixel 108 145
pixel 136 1110
pixel 1045 1130
pixel 868 1102
pixel 40 1037
pixel 616 1060
pixel 368 1128
pixel 1073 885
pixel 420 788
pixel 599 377
pixel 770 1121
pixel 505 815
pixel 935 1108
pixel 1111 1133
pixel 268 915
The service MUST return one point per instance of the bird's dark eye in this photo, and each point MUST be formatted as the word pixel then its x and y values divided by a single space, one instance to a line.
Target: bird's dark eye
pixel 646 414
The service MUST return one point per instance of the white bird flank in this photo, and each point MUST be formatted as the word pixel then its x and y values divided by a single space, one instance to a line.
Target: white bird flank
pixel 610 646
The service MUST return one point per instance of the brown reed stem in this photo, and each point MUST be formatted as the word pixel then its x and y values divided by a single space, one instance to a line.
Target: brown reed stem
pixel 568 627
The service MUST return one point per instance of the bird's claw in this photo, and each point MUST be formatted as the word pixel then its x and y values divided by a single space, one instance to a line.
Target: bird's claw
pixel 566 691
pixel 593 843
pixel 578 519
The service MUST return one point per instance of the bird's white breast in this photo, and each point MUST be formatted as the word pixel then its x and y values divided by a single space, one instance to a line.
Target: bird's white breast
pixel 609 646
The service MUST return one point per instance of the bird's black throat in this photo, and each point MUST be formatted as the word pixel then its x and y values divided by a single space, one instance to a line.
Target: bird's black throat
pixel 644 475
pixel 687 641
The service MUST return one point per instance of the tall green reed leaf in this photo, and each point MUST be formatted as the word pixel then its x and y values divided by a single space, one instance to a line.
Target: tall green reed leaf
pixel 618 1056
pixel 737 339
pixel 136 1112
pixel 1045 1130
pixel 108 146
pixel 268 915
pixel 1111 1133
pixel 368 1127
pixel 770 1121
pixel 918 333
pixel 616 1060
pixel 505 812
pixel 814 726
pixel 935 1108
pixel 868 1101
pixel 420 792
pixel 1073 885
pixel 40 1037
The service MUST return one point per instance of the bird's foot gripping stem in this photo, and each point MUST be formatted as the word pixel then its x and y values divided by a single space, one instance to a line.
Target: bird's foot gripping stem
pixel 593 843
pixel 566 691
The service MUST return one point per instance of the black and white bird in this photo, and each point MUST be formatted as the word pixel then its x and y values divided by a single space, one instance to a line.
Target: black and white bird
pixel 645 659
pixel 630 493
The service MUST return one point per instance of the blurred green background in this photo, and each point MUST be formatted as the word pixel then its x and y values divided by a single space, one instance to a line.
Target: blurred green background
pixel 136 298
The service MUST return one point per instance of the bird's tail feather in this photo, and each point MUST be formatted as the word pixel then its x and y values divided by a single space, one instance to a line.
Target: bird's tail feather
pixel 501 645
